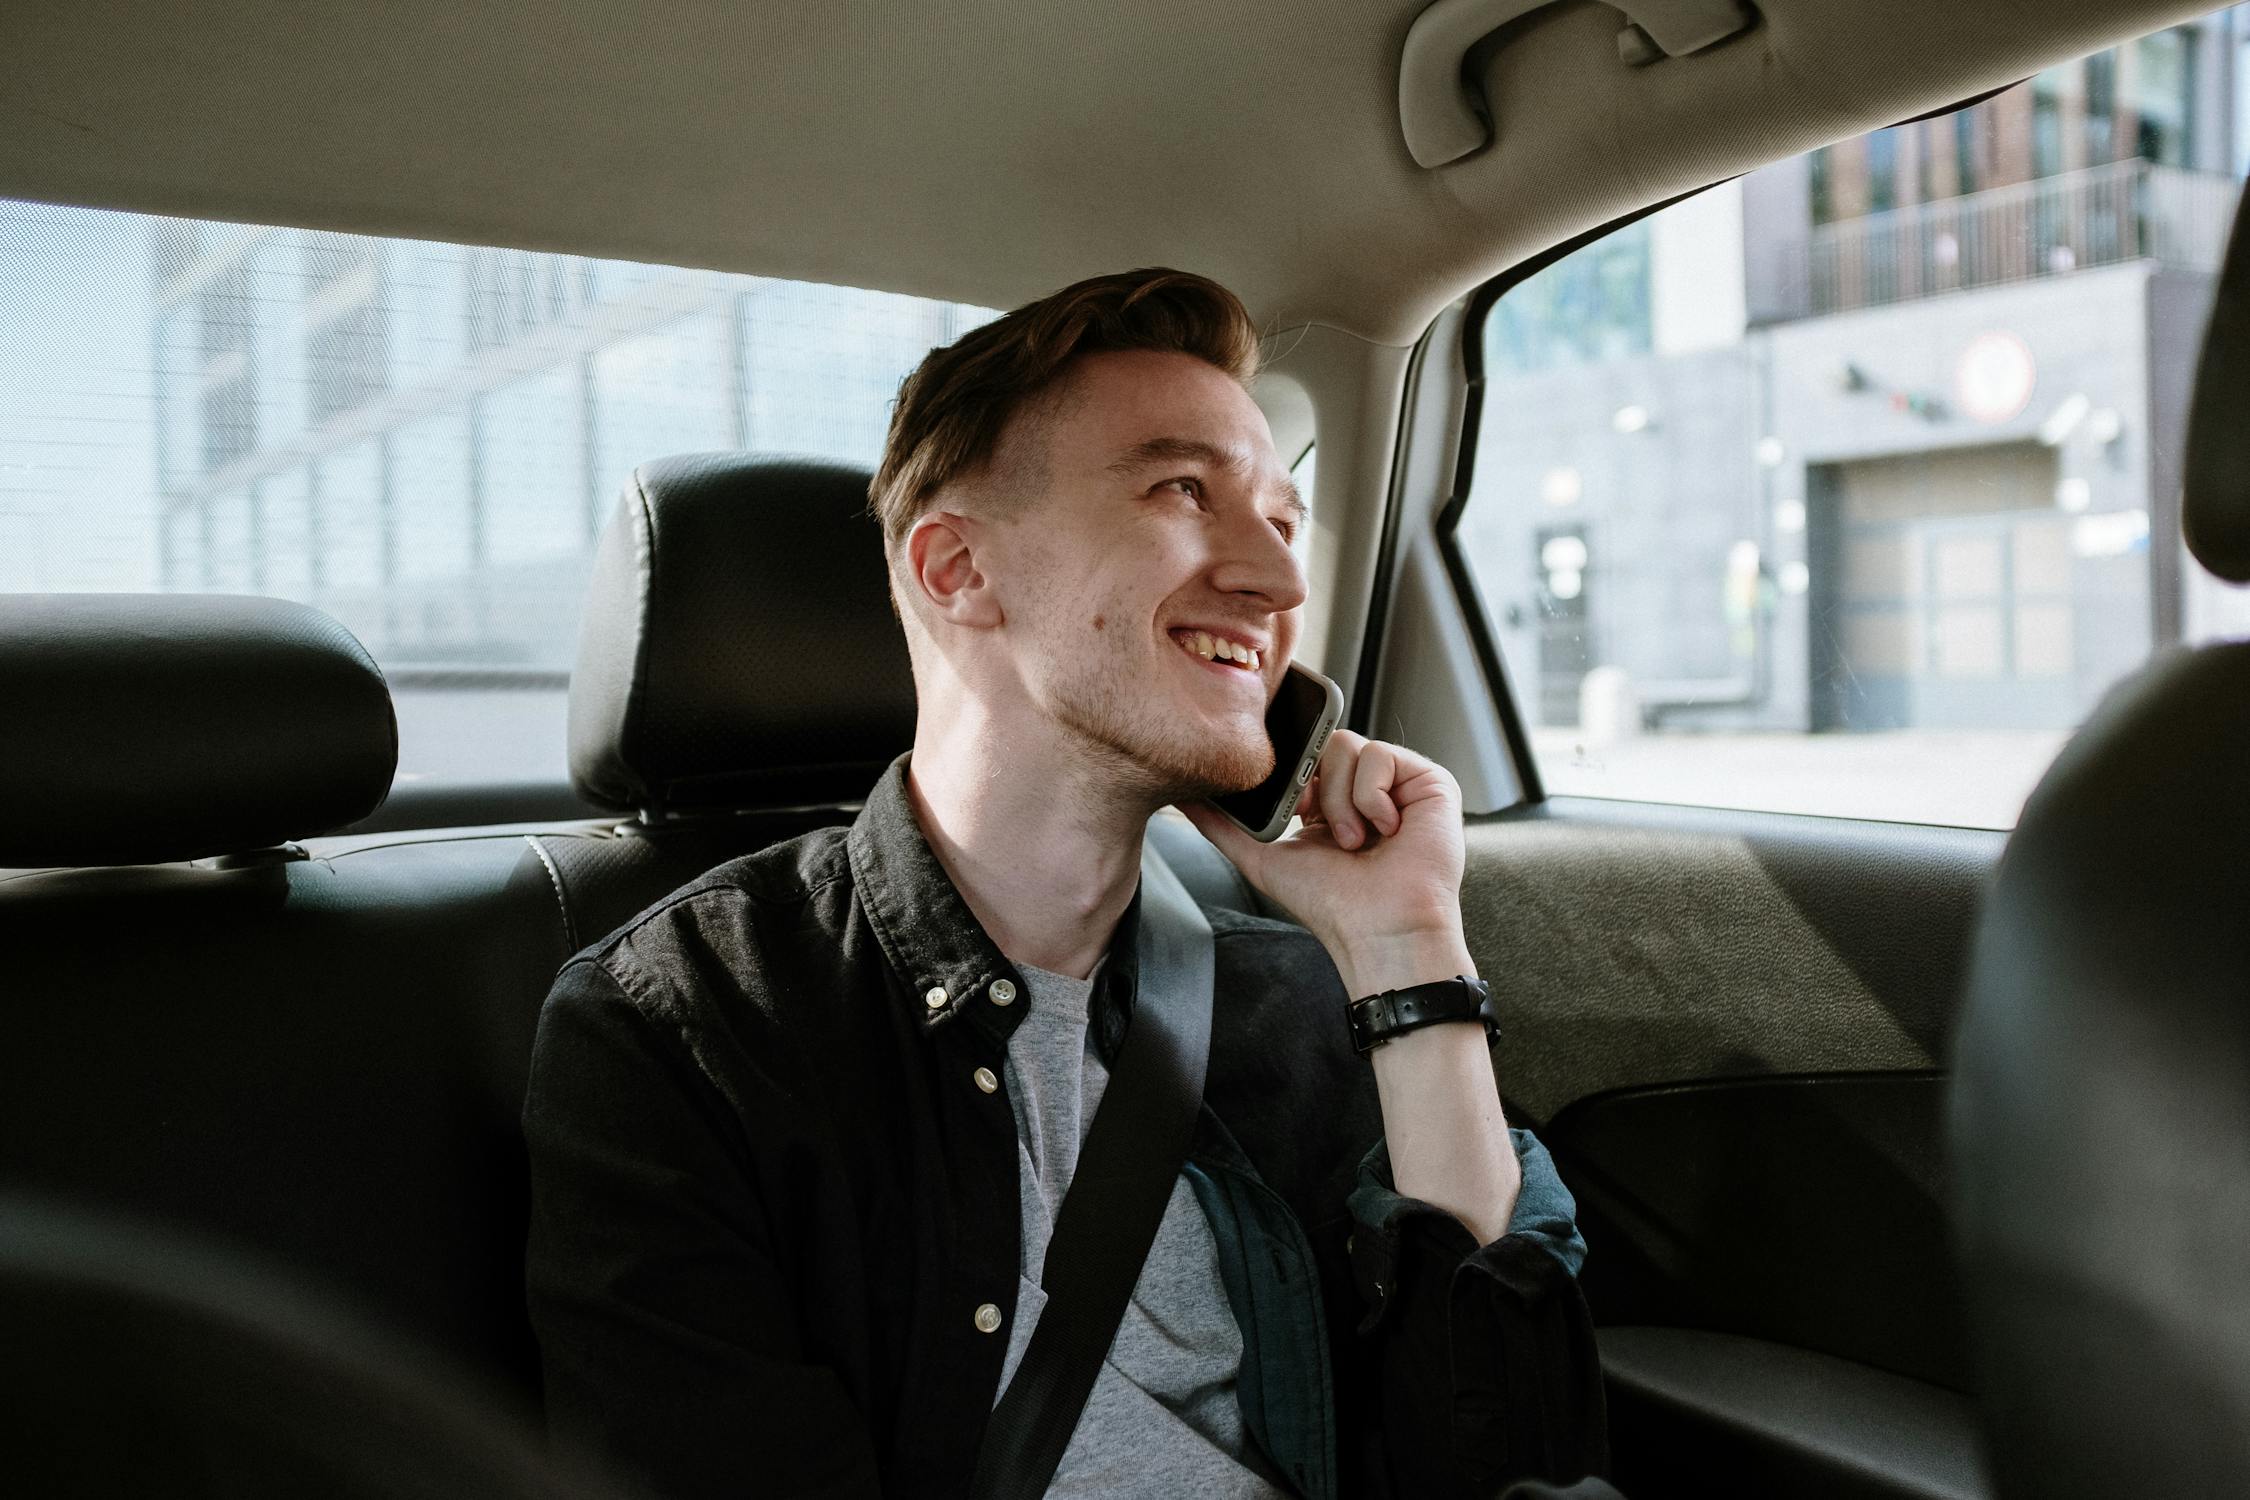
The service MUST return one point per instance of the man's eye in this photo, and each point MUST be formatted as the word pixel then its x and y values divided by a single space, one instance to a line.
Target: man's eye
pixel 1188 485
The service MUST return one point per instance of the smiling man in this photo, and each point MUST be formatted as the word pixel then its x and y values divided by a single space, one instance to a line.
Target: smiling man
pixel 799 1133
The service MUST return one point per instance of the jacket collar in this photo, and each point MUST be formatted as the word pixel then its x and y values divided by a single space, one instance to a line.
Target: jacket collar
pixel 944 962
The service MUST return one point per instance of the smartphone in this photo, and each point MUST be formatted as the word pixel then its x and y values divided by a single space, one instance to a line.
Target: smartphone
pixel 1298 721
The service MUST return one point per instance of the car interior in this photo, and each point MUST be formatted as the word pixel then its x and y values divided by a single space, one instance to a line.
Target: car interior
pixel 1911 1154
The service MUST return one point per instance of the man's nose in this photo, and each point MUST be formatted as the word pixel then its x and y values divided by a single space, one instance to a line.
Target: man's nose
pixel 1256 560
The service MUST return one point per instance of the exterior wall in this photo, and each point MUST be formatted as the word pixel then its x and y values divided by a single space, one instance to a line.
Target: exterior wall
pixel 1659 510
pixel 1734 443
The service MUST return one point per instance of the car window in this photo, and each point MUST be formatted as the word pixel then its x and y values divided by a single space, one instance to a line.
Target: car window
pixel 422 439
pixel 1850 486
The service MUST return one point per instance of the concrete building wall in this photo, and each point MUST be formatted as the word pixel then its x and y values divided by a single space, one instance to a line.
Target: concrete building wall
pixel 1665 467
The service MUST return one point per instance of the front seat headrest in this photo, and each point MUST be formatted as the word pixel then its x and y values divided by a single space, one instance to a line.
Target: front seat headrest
pixel 146 728
pixel 2215 496
pixel 739 648
pixel 2101 1105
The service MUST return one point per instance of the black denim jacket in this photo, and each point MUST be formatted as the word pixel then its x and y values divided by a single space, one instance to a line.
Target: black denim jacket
pixel 770 1199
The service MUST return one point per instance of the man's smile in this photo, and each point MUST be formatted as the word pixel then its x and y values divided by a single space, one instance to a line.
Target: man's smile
pixel 1227 652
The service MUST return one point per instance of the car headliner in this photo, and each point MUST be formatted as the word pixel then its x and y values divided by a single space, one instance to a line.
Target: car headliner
pixel 976 150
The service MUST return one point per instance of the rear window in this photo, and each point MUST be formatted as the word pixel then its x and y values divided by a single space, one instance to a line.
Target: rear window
pixel 422 439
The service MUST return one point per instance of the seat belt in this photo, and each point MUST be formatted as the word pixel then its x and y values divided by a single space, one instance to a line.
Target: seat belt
pixel 1133 1154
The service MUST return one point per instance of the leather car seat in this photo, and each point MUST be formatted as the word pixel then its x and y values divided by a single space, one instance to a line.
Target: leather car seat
pixel 739 651
pixel 218 1024
pixel 221 1020
pixel 2101 1104
pixel 137 1362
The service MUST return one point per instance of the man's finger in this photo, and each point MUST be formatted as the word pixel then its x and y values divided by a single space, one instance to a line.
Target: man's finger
pixel 1336 769
pixel 1372 780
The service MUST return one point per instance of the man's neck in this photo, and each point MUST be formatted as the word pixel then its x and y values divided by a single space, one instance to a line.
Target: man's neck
pixel 1044 848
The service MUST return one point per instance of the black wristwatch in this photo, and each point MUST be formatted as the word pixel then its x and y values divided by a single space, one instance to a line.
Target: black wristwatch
pixel 1378 1018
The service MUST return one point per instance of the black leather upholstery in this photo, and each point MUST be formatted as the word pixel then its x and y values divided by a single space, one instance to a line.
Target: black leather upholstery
pixel 1715 1414
pixel 2102 1104
pixel 322 1060
pixel 145 727
pixel 2215 503
pixel 142 1363
pixel 739 648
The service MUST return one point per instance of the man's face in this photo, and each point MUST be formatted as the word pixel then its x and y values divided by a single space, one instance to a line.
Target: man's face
pixel 1151 597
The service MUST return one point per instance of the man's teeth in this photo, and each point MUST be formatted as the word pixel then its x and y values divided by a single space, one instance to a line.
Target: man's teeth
pixel 1215 648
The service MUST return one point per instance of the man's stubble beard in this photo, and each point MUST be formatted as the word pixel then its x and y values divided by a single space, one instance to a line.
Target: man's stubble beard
pixel 1164 758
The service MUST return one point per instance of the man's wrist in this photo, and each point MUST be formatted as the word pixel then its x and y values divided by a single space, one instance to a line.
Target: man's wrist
pixel 1373 963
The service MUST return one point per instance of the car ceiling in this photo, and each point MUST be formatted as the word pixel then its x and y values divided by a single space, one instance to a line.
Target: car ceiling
pixel 974 150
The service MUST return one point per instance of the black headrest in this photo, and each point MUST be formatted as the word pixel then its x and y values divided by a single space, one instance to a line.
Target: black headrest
pixel 145 728
pixel 739 648
pixel 2215 503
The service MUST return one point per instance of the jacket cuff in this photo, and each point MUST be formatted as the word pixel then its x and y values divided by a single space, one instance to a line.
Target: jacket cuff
pixel 1485 1353
pixel 1545 1215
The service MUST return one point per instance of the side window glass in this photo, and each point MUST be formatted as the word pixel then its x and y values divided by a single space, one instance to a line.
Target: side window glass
pixel 422 439
pixel 1850 486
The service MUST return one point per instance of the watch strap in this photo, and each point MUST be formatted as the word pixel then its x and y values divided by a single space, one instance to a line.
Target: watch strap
pixel 1378 1018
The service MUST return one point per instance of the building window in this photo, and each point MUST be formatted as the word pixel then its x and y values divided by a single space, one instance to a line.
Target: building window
pixel 1591 307
pixel 345 327
pixel 228 326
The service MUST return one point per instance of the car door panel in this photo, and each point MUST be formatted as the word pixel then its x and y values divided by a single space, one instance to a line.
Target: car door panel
pixel 1731 1029
pixel 1712 1414
pixel 1642 944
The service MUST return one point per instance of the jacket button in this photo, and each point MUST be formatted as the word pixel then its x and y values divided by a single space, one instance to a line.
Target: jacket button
pixel 988 1319
pixel 1003 992
pixel 936 998
pixel 985 1080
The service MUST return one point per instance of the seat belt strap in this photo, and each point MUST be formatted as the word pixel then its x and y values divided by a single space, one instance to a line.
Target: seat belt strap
pixel 1109 1215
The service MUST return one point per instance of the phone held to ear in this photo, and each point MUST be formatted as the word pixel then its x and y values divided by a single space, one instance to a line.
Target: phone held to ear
pixel 1298 721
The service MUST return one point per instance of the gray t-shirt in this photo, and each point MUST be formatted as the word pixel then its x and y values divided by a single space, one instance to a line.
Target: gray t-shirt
pixel 1162 1418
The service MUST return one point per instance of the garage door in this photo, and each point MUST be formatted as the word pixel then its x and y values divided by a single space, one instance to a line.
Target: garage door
pixel 1945 592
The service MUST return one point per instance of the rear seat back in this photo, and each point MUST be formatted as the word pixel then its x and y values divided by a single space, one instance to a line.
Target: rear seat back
pixel 308 1053
pixel 317 1053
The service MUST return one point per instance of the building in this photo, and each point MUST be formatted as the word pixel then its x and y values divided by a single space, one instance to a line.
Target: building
pixel 425 439
pixel 1881 437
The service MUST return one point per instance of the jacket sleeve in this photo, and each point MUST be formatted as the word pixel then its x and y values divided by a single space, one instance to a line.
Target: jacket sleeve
pixel 1484 1354
pixel 667 1332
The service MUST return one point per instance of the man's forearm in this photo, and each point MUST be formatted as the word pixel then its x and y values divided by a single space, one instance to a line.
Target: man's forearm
pixel 1448 1137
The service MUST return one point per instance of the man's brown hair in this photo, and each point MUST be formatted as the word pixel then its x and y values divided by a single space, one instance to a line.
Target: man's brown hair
pixel 953 409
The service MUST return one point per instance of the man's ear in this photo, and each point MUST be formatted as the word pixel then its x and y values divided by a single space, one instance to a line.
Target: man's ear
pixel 941 565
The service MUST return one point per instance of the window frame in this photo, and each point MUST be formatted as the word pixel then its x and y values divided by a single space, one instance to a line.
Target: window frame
pixel 1467 597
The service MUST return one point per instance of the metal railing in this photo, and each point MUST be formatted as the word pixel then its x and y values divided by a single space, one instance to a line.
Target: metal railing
pixel 2100 216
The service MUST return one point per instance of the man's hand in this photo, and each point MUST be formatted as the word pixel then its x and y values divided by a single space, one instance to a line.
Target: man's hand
pixel 1375 869
pixel 1375 872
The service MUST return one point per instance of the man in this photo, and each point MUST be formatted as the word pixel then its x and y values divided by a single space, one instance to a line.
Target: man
pixel 800 1131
